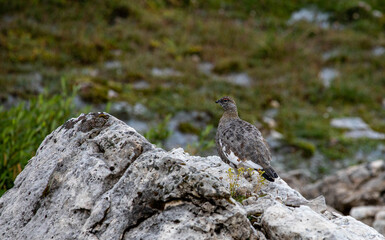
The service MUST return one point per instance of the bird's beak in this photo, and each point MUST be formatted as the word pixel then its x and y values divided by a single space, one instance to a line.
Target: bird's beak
pixel 217 101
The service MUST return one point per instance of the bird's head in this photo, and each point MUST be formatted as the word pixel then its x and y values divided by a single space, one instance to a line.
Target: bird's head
pixel 227 103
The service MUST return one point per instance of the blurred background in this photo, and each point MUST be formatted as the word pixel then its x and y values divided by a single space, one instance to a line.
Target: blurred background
pixel 308 73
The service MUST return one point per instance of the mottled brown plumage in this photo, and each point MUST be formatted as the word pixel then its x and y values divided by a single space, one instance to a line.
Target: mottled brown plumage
pixel 240 143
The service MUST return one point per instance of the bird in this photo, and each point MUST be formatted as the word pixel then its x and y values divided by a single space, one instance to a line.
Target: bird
pixel 241 144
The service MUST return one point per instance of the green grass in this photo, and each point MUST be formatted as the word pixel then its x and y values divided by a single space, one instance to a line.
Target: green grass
pixel 61 38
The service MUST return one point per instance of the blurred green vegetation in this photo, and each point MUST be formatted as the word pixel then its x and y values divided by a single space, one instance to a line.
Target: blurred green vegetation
pixel 75 40
pixel 159 133
pixel 205 141
pixel 24 127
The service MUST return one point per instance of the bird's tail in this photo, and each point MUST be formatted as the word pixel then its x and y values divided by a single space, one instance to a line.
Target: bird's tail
pixel 269 174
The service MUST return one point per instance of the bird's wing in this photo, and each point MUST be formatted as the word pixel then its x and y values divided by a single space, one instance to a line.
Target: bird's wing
pixel 241 142
pixel 221 151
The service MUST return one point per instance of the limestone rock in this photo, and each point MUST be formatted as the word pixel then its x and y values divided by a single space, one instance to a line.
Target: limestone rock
pixel 379 222
pixel 303 223
pixel 366 214
pixel 359 185
pixel 97 178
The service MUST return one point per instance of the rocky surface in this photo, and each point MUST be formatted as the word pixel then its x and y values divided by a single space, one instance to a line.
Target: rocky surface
pixel 379 222
pixel 360 185
pixel 358 191
pixel 97 178
pixel 367 214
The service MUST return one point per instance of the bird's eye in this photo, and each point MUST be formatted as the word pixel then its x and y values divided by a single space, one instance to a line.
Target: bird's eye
pixel 225 100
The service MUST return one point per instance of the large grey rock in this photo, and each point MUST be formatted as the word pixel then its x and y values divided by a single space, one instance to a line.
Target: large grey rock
pixel 97 178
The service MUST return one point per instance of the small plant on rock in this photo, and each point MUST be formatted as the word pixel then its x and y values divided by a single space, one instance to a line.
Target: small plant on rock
pixel 234 178
pixel 261 181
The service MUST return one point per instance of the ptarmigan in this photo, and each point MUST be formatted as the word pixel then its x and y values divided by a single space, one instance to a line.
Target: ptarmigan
pixel 240 144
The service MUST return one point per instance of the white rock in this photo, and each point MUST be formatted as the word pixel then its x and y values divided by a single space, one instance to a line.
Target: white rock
pixel 270 122
pixel 366 214
pixel 275 104
pixel 275 135
pixel 165 72
pixel 359 129
pixel 377 14
pixel 205 67
pixel 365 6
pixel 378 51
pixel 303 223
pixel 330 54
pixel 89 72
pixel 113 65
pixel 368 133
pixel 352 123
pixel 140 109
pixel 240 79
pixel 274 139
pixel 112 94
pixel 139 85
pixel 310 15
pixel 327 75
pixel 33 81
pixel 271 112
